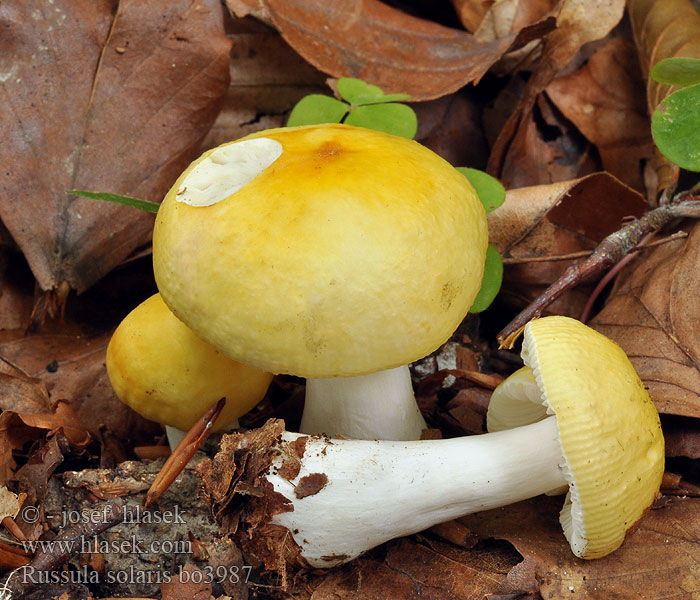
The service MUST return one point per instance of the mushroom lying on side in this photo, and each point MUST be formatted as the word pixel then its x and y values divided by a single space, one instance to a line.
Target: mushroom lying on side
pixel 602 440
pixel 162 370
pixel 330 252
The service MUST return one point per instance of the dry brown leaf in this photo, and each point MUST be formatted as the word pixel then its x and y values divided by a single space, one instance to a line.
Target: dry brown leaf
pixel 107 96
pixel 658 560
pixel 77 377
pixel 507 16
pixel 9 504
pixel 556 219
pixel 428 570
pixel 451 127
pixel 384 45
pixel 578 22
pixel 471 12
pixel 682 436
pixel 181 587
pixel 545 149
pixel 654 314
pixel 267 79
pixel 603 101
pixel 663 29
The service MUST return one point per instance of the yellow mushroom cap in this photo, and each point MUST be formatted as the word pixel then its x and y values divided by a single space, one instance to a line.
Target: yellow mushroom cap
pixel 609 429
pixel 350 251
pixel 162 370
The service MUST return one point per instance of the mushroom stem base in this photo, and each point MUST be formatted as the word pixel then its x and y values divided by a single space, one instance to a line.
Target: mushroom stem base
pixel 376 406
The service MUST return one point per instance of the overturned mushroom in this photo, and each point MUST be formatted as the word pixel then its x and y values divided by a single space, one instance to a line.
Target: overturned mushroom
pixel 330 252
pixel 602 441
pixel 162 370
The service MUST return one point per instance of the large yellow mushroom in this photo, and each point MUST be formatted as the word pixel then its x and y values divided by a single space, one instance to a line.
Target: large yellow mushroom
pixel 330 252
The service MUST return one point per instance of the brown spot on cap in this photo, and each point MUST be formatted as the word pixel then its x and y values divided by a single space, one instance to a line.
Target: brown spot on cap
pixel 330 148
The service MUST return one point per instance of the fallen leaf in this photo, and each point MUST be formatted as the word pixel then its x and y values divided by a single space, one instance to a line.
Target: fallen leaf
pixel 182 586
pixel 578 22
pixel 551 220
pixel 613 115
pixel 682 436
pixel 657 560
pixel 663 30
pixel 107 96
pixel 9 505
pixel 77 377
pixel 267 79
pixel 383 45
pixel 545 149
pixel 655 319
pixel 451 127
pixel 470 12
pixel 427 569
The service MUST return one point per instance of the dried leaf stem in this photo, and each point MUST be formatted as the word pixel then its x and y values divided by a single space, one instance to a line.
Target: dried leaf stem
pixel 612 249
pixel 184 451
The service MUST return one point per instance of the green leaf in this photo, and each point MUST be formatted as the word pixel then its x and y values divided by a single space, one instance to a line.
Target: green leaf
pixel 397 119
pixel 491 283
pixel 675 126
pixel 145 205
pixel 358 92
pixel 491 192
pixel 316 109
pixel 679 71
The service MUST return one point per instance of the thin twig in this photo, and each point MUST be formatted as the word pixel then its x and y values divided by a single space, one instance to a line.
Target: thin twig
pixel 182 454
pixel 517 260
pixel 608 252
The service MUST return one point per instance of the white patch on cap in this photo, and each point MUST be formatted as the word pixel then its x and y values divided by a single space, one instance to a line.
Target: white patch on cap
pixel 227 170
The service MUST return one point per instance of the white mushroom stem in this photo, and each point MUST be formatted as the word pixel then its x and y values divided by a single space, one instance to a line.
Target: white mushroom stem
pixel 175 435
pixel 378 406
pixel 379 490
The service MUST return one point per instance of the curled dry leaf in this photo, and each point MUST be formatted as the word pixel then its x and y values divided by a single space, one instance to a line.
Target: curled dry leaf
pixel 77 378
pixel 653 314
pixel 9 504
pixel 384 45
pixel 108 96
pixel 602 99
pixel 578 22
pixel 556 219
pixel 663 29
pixel 657 560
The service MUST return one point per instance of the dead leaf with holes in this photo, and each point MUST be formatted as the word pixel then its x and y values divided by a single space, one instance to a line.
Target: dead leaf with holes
pixel 612 116
pixel 551 220
pixel 578 22
pixel 654 314
pixel 106 96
